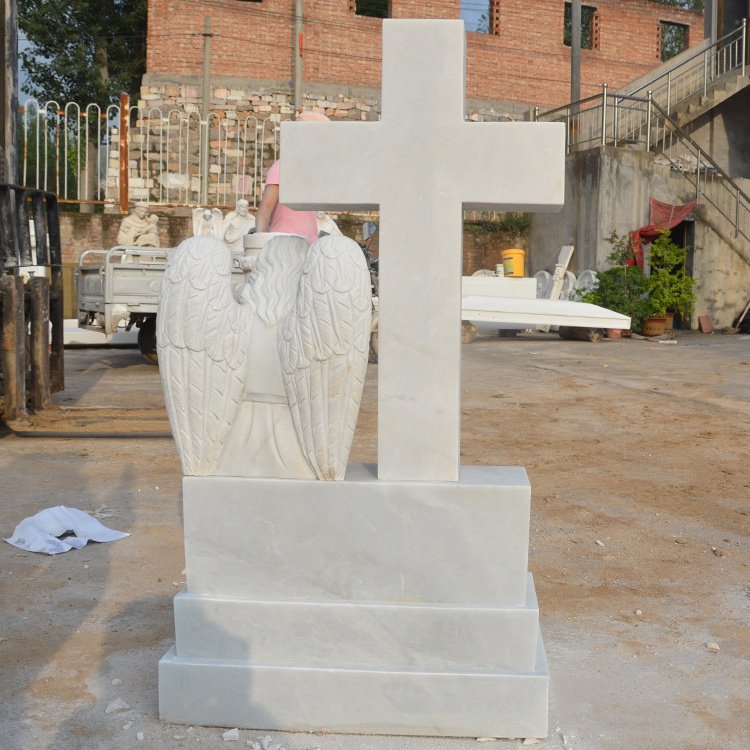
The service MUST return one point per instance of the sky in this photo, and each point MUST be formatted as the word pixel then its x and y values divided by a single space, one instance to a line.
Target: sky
pixel 22 45
pixel 471 10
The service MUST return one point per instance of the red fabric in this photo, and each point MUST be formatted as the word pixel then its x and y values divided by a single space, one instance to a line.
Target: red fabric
pixel 663 216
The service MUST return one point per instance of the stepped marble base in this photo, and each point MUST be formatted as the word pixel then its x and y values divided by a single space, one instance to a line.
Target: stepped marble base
pixel 363 606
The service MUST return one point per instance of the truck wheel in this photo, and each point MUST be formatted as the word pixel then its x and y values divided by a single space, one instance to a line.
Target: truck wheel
pixel 147 341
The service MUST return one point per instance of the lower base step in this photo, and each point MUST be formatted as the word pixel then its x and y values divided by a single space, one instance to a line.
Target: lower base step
pixel 354 700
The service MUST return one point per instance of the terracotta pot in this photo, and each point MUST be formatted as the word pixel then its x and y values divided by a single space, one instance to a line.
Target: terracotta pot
pixel 614 333
pixel 670 321
pixel 654 326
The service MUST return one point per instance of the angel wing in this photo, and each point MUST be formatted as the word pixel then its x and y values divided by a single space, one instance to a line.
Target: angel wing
pixel 324 345
pixel 217 223
pixel 198 222
pixel 202 339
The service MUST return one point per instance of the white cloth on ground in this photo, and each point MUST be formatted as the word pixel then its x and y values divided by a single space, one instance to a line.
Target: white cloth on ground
pixel 40 533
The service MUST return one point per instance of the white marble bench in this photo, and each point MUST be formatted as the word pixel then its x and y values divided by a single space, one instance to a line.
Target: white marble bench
pixel 512 303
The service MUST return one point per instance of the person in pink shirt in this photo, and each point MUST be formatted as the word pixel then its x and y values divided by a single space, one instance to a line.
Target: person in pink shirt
pixel 273 216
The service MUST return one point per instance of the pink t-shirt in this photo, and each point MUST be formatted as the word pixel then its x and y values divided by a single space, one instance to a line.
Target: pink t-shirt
pixel 285 219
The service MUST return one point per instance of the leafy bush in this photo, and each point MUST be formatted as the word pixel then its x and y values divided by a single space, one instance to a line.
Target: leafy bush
pixel 515 223
pixel 622 288
pixel 671 287
pixel 627 290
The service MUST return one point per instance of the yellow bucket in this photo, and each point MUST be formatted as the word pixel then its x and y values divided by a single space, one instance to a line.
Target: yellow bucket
pixel 513 262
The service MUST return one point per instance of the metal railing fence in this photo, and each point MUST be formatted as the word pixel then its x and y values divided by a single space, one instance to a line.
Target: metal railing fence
pixel 625 118
pixel 619 120
pixel 86 155
pixel 711 183
pixel 696 73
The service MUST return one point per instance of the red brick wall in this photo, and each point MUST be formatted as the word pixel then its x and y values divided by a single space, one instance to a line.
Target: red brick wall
pixel 524 61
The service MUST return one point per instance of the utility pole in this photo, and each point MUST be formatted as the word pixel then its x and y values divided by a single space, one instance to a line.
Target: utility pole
pixel 205 109
pixel 575 50
pixel 297 52
pixel 9 93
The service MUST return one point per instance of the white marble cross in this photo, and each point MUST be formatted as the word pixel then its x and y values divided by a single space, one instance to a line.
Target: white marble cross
pixel 421 165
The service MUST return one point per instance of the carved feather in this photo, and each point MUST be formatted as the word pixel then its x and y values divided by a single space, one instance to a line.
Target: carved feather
pixel 324 345
pixel 202 338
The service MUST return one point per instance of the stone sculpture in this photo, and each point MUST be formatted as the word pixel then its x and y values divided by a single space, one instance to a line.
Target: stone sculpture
pixel 319 605
pixel 237 224
pixel 139 229
pixel 327 224
pixel 208 222
pixel 268 386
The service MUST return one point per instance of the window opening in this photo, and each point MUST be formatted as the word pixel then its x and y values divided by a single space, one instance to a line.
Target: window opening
pixel 372 8
pixel 588 15
pixel 674 39
pixel 476 15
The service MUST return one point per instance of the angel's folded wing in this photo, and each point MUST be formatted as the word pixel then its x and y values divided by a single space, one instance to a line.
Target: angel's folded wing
pixel 197 221
pixel 218 222
pixel 202 335
pixel 324 345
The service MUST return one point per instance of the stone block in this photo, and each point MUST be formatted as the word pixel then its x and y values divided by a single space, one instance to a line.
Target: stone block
pixel 350 634
pixel 362 539
pixel 362 606
pixel 464 703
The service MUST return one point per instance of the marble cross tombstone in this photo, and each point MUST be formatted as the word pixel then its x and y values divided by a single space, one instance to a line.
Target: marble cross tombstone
pixel 314 605
pixel 421 165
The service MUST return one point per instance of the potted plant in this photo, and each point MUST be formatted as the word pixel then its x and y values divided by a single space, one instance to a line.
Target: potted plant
pixel 671 289
pixel 623 288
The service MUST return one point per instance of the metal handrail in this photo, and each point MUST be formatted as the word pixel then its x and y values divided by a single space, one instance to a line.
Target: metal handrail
pixel 739 34
pixel 705 168
pixel 705 159
pixel 613 119
pixel 668 89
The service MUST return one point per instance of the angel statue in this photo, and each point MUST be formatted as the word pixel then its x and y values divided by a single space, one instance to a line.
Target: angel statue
pixel 208 222
pixel 237 224
pixel 267 385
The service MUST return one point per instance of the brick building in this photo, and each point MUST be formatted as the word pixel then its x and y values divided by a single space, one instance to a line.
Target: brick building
pixel 522 61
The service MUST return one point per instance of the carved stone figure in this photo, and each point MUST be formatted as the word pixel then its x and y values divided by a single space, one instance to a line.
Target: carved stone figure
pixel 268 386
pixel 139 229
pixel 327 224
pixel 237 224
pixel 208 222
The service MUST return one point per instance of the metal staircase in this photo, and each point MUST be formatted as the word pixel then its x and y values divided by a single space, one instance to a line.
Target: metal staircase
pixel 652 114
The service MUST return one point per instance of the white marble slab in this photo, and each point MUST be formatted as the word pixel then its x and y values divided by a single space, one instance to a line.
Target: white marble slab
pixel 459 703
pixel 363 539
pixel 361 606
pixel 350 634
pixel 527 312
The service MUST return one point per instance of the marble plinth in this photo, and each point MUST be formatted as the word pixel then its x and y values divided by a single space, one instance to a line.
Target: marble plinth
pixel 363 606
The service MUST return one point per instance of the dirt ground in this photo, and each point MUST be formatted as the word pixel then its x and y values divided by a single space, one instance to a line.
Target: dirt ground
pixel 640 534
